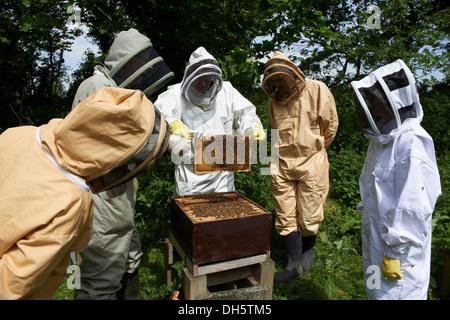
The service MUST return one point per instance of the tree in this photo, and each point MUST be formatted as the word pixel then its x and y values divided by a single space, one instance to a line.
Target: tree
pixel 176 28
pixel 227 29
pixel 412 30
pixel 330 41
pixel 33 38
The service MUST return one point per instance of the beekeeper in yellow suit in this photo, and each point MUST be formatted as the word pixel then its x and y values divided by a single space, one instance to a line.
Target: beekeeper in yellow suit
pixel 46 174
pixel 304 112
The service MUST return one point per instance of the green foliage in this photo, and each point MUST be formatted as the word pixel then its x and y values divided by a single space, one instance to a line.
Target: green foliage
pixel 224 28
pixel 255 186
pixel 345 168
pixel 177 28
pixel 349 135
pixel 347 152
pixel 151 275
pixel 291 22
pixel 178 266
pixel 156 186
pixel 243 72
pixel 435 102
pixel 34 37
pixel 440 225
pixel 413 30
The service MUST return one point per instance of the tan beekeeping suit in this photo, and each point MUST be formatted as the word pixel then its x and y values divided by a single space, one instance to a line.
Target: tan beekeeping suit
pixel 45 206
pixel 305 115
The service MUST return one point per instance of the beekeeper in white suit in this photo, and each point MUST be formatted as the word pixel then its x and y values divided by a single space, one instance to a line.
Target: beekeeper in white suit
pixel 204 104
pixel 399 185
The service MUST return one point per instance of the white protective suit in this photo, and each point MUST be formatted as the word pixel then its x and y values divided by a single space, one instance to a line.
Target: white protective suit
pixel 224 111
pixel 399 183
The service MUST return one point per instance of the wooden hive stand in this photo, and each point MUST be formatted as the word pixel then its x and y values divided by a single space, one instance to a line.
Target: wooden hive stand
pixel 245 278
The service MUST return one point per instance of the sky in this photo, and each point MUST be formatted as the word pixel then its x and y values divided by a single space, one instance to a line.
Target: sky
pixel 73 58
pixel 80 45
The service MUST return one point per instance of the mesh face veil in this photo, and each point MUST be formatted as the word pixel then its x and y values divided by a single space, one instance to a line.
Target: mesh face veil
pixel 148 154
pixel 386 98
pixel 143 69
pixel 202 83
pixel 282 82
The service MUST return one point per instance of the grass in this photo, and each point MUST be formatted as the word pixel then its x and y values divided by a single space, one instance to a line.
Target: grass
pixel 337 272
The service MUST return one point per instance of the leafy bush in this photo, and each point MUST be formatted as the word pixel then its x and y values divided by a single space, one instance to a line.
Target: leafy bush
pixel 440 225
pixel 156 186
pixel 435 102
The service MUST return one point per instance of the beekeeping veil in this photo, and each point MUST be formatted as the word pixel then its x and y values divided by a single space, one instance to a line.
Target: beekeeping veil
pixel 386 99
pixel 202 78
pixel 282 79
pixel 149 153
pixel 109 138
pixel 133 63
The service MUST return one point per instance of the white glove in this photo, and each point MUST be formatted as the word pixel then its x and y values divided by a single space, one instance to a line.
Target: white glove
pixel 180 149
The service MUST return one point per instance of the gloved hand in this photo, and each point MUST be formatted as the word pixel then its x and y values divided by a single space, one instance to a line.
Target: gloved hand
pixel 391 268
pixel 180 149
pixel 258 133
pixel 179 128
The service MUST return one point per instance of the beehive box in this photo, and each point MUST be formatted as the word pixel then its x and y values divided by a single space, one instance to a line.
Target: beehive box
pixel 222 153
pixel 219 226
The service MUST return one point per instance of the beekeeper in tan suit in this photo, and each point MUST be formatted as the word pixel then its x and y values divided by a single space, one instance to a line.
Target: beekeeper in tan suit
pixel 46 174
pixel 304 112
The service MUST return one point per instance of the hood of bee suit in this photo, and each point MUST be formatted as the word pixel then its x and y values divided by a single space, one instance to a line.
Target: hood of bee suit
pixel 133 63
pixel 112 129
pixel 387 101
pixel 283 80
pixel 202 79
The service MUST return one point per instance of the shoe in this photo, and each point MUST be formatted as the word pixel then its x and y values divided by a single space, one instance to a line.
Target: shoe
pixel 308 253
pixel 131 287
pixel 294 268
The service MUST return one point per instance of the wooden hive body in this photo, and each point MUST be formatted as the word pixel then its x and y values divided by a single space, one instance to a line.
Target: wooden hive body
pixel 211 239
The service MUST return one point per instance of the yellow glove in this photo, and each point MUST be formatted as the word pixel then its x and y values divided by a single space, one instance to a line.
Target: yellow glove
pixel 180 129
pixel 391 268
pixel 258 133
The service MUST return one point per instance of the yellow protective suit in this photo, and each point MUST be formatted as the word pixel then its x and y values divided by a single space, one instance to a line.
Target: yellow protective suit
pixel 44 214
pixel 307 121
